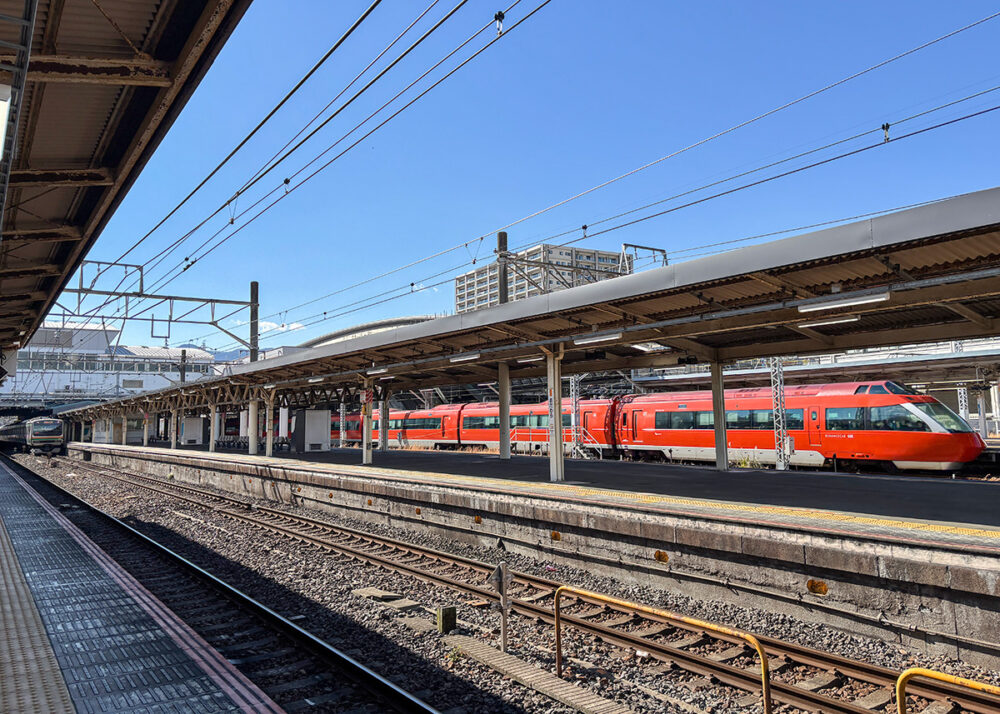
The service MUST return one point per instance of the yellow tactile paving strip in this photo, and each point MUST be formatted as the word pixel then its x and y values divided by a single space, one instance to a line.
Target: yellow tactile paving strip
pixel 814 519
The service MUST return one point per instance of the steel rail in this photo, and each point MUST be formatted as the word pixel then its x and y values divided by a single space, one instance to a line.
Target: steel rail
pixel 973 701
pixel 388 692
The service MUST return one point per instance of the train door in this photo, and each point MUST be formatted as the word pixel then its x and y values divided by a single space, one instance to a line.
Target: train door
pixel 813 427
pixel 635 423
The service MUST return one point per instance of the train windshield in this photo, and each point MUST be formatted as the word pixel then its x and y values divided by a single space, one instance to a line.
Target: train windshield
pixel 898 388
pixel 944 416
pixel 47 428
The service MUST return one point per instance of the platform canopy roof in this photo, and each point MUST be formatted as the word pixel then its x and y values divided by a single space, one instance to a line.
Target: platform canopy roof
pixel 926 274
pixel 104 81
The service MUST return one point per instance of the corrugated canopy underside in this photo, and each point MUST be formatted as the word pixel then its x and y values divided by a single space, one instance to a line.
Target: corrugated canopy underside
pixel 105 81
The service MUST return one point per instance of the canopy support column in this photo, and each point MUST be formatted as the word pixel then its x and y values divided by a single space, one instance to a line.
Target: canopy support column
pixel 367 399
pixel 557 461
pixel 173 428
pixel 342 423
pixel 269 425
pixel 145 428
pixel 719 415
pixel 253 427
pixel 503 387
pixel 981 405
pixel 383 421
pixel 213 425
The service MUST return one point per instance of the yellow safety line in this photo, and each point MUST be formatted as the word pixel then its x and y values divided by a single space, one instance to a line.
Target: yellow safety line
pixel 642 498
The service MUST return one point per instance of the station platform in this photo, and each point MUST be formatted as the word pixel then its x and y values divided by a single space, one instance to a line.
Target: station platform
pixel 932 510
pixel 79 634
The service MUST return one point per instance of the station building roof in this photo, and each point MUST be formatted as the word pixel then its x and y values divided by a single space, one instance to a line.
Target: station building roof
pixel 926 274
pixel 103 83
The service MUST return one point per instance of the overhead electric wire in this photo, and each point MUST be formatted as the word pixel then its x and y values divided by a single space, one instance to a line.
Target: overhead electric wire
pixel 741 124
pixel 660 201
pixel 742 187
pixel 372 131
pixel 261 173
pixel 260 124
pixel 458 246
pixel 755 119
pixel 340 41
pixel 158 258
pixel 606 219
pixel 717 135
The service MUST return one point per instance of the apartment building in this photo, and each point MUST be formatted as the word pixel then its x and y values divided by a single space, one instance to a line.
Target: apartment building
pixel 543 268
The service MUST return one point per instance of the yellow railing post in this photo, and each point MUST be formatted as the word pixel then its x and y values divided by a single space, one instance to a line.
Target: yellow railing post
pixel 909 674
pixel 765 671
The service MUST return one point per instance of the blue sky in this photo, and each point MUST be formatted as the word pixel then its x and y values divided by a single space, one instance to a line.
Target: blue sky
pixel 580 93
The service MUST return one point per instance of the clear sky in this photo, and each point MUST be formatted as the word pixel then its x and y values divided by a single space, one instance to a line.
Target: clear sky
pixel 582 92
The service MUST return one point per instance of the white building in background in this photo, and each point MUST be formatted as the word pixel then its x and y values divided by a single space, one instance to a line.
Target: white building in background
pixel 543 268
pixel 76 362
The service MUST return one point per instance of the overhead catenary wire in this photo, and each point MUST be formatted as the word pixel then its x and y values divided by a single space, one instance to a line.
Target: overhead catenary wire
pixel 274 110
pixel 734 128
pixel 272 164
pixel 458 246
pixel 288 95
pixel 161 255
pixel 738 126
pixel 703 187
pixel 386 296
pixel 399 111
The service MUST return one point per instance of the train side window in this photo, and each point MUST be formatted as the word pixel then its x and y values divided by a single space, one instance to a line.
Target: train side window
pixel 763 419
pixel 661 420
pixel 863 389
pixel 624 419
pixel 519 420
pixel 895 418
pixel 682 420
pixel 795 419
pixel 814 415
pixel 878 389
pixel 567 420
pixel 739 419
pixel 705 420
pixel 845 418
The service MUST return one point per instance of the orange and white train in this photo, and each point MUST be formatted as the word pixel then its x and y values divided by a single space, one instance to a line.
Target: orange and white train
pixel 852 423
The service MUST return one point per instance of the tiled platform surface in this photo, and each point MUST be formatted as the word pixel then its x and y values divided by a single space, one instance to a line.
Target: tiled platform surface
pixel 80 634
pixel 918 510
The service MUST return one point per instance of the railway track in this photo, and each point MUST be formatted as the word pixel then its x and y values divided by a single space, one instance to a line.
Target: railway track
pixel 801 677
pixel 297 670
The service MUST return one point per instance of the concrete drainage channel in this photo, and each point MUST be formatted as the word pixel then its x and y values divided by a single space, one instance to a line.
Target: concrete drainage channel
pixel 934 599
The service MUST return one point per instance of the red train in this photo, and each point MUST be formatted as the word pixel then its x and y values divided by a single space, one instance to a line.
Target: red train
pixel 852 422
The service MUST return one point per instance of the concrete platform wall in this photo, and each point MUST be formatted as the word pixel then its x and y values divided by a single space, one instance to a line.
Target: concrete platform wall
pixel 940 600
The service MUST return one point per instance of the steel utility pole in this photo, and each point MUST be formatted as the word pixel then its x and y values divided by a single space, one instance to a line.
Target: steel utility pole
pixel 183 370
pixel 502 265
pixel 254 328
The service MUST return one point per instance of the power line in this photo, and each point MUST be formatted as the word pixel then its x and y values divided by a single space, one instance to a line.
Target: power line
pixel 260 124
pixel 839 142
pixel 725 132
pixel 370 132
pixel 634 210
pixel 687 205
pixel 261 173
pixel 748 122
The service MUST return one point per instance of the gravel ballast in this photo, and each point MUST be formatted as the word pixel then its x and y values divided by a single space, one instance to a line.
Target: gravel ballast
pixel 315 587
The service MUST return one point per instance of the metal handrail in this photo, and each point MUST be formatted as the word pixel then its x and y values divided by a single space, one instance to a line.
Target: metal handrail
pixel 765 673
pixel 909 674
